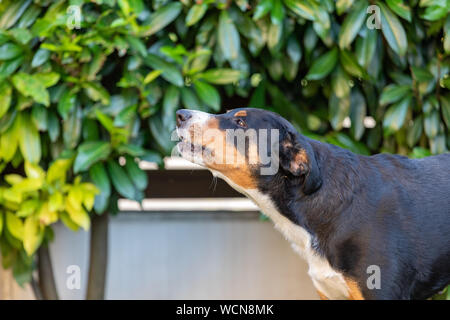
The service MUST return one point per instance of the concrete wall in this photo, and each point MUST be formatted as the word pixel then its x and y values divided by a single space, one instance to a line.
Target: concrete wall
pixel 187 256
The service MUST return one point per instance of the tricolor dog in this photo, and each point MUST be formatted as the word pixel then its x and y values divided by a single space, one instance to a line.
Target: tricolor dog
pixel 346 214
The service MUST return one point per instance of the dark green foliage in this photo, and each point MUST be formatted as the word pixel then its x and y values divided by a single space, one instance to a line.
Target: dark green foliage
pixel 107 85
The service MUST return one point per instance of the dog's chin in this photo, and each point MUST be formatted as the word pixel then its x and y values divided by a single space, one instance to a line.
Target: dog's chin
pixel 191 152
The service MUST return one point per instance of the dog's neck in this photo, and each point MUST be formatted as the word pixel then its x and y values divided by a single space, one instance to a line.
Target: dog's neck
pixel 318 212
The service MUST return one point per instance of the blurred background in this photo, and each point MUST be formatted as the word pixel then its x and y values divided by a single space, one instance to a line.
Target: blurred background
pixel 92 205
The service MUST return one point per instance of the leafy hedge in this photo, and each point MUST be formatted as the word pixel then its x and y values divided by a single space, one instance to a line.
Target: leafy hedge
pixel 79 94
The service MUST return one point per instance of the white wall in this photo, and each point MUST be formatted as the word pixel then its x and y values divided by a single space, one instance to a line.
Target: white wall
pixel 189 256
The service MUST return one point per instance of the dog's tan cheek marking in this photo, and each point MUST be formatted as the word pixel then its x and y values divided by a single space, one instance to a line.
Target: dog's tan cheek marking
pixel 301 156
pixel 239 171
pixel 354 292
pixel 241 113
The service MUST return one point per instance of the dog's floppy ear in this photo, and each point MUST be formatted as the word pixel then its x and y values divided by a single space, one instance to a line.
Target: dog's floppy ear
pixel 299 160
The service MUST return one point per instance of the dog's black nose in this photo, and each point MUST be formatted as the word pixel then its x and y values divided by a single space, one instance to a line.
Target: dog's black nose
pixel 183 115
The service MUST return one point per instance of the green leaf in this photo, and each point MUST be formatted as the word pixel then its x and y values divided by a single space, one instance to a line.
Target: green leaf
pixel 21 35
pixel 302 8
pixel 14 225
pixel 340 83
pixel 120 180
pixel 393 30
pixel 339 109
pixel 9 140
pixel 131 149
pixel 277 13
pixel 29 139
pixel 9 51
pixel 421 74
pixel 208 94
pixel 13 12
pixel 48 79
pixel 58 170
pixel 414 132
pixel 263 8
pixel 29 16
pixel 5 97
pixel 294 50
pixel 366 47
pixel 69 223
pixel 67 103
pixel 33 235
pixel 343 5
pixel 72 128
pixel 392 93
pixel 274 37
pixel 137 45
pixel 124 6
pixel 396 115
pixel 161 18
pixel 190 100
pixel 39 115
pixel 152 75
pixel 78 215
pixel 169 71
pixel 170 105
pixel 350 64
pixel 400 9
pixel 196 12
pixel 31 86
pixel 346 142
pixel 199 61
pixel 352 24
pixel 431 124
pixel 106 121
pixel 53 126
pixel 220 76
pixel 89 153
pixel 228 37
pixel 447 46
pixel 96 92
pixel 138 176
pixel 433 13
pixel 126 116
pixel 152 156
pixel 323 65
pixel 99 177
pixel 10 66
pixel 40 57
pixel 358 111
pixel 1 223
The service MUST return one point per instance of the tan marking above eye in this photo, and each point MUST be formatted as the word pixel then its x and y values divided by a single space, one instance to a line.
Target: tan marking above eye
pixel 301 156
pixel 241 113
pixel 212 123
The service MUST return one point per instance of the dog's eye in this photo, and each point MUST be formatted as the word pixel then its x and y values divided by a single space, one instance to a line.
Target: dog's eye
pixel 241 123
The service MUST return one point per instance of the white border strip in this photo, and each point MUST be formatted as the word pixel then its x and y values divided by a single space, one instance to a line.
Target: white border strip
pixel 171 163
pixel 188 204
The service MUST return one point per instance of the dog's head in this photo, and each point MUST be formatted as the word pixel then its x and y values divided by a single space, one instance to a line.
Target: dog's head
pixel 247 146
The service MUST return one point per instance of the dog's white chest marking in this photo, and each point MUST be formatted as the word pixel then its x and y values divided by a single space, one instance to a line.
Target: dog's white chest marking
pixel 327 280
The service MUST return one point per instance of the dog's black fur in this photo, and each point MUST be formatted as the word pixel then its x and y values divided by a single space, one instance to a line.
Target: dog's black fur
pixel 384 210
